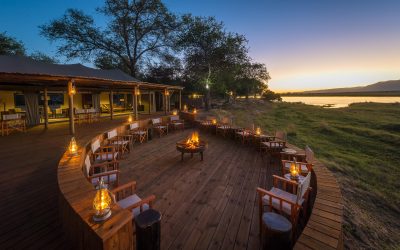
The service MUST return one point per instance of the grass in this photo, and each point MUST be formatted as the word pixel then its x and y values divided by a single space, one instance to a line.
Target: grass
pixel 360 144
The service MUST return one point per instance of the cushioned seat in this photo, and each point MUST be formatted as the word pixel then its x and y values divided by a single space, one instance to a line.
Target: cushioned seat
pixel 271 145
pixel 120 142
pixel 223 127
pixel 131 200
pixel 177 123
pixel 243 133
pixel 111 178
pixel 286 207
pixel 161 127
pixel 139 132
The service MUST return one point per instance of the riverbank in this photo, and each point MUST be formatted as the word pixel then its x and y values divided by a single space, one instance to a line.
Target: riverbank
pixel 359 144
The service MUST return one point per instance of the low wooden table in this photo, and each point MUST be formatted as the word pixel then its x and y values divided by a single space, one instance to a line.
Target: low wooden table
pixel 184 149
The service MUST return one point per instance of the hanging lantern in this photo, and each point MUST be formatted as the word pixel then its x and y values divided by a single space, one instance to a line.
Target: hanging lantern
pixel 73 148
pixel 102 202
pixel 137 91
pixel 166 92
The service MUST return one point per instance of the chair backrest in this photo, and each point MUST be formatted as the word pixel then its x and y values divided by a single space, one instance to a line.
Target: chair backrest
pixel 134 126
pixel 281 135
pixel 111 134
pixel 80 111
pixel 309 155
pixel 91 110
pixel 11 117
pixel 95 145
pixel 156 121
pixel 302 189
pixel 87 164
pixel 174 117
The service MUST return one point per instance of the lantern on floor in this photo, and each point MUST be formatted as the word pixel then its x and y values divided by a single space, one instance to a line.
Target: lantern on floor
pixel 174 112
pixel 102 202
pixel 294 170
pixel 73 148
pixel 214 121
pixel 130 119
pixel 194 111
pixel 185 107
pixel 258 131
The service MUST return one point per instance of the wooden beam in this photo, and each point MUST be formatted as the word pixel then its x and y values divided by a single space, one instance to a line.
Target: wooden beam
pixel 46 107
pixel 71 109
pixel 135 97
pixel 111 105
pixel 165 101
pixel 149 102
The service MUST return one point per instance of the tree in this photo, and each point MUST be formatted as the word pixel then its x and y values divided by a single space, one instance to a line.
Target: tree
pixel 252 79
pixel 41 57
pixel 138 31
pixel 11 46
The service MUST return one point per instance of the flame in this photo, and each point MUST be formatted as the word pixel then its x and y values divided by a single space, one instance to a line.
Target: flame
pixel 194 111
pixel 193 141
pixel 258 131
pixel 294 170
pixel 130 119
pixel 174 112
pixel 214 121
pixel 73 148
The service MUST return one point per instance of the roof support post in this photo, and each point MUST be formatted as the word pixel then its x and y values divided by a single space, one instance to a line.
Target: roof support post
pixel 135 105
pixel 111 105
pixel 71 108
pixel 165 101
pixel 46 107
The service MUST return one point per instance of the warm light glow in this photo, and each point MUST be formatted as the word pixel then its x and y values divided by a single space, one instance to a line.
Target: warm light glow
pixel 231 93
pixel 174 112
pixel 294 170
pixel 193 141
pixel 102 202
pixel 72 90
pixel 130 119
pixel 185 107
pixel 137 91
pixel 166 92
pixel 73 148
pixel 194 96
pixel 214 121
pixel 194 111
pixel 258 131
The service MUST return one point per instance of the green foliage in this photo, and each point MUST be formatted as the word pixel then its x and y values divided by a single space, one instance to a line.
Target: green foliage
pixel 41 57
pixel 11 46
pixel 137 31
pixel 271 96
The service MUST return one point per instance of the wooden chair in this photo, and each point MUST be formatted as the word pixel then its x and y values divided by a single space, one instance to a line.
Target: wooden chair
pixel 103 153
pixel 224 127
pixel 243 135
pixel 159 127
pixel 305 167
pixel 92 115
pixel 126 197
pixel 108 170
pixel 177 123
pixel 139 134
pixel 81 115
pixel 310 158
pixel 12 122
pixel 286 203
pixel 273 145
pixel 121 142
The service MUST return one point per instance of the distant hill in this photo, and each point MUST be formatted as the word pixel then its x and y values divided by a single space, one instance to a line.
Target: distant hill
pixel 385 86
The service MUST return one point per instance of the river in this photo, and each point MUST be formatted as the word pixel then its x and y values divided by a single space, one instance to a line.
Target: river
pixel 339 101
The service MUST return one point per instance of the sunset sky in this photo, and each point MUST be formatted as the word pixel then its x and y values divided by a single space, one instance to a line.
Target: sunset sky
pixel 305 44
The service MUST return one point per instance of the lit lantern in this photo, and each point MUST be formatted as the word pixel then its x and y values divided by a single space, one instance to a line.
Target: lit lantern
pixel 137 91
pixel 194 111
pixel 214 121
pixel 73 148
pixel 130 119
pixel 72 90
pixel 185 107
pixel 294 170
pixel 166 92
pixel 102 202
pixel 174 112
pixel 258 131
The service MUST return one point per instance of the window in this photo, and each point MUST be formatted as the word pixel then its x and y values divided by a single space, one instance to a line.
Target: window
pixel 54 99
pixel 19 100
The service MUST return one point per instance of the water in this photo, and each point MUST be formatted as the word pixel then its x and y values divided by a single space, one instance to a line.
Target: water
pixel 339 101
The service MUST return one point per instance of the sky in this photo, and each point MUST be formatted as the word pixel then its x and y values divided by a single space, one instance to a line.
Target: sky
pixel 304 44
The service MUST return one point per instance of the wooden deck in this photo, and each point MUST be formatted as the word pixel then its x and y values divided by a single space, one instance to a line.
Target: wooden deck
pixel 210 204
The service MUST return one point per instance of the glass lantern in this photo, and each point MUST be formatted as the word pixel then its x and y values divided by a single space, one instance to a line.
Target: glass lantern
pixel 102 202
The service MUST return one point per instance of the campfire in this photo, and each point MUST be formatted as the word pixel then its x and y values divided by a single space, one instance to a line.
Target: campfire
pixel 193 141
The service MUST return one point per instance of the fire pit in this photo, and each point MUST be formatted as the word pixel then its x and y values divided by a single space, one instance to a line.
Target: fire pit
pixel 191 146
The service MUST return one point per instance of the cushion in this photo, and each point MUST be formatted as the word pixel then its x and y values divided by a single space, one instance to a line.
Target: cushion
pixel 107 156
pixel 112 134
pixel 120 142
pixel 223 127
pixel 95 145
pixel 286 207
pixel 271 145
pixel 87 164
pixel 160 127
pixel 174 118
pixel 243 133
pixel 177 123
pixel 156 121
pixel 133 126
pixel 130 200
pixel 107 180
pixel 139 132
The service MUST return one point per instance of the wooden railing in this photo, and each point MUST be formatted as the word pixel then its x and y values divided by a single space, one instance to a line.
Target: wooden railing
pixel 76 209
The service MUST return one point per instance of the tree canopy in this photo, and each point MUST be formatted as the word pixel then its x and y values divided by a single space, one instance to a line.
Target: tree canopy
pixel 11 46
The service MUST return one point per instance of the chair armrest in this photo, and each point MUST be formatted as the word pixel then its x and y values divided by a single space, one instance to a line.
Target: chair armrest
pixel 148 200
pixel 277 179
pixel 129 185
